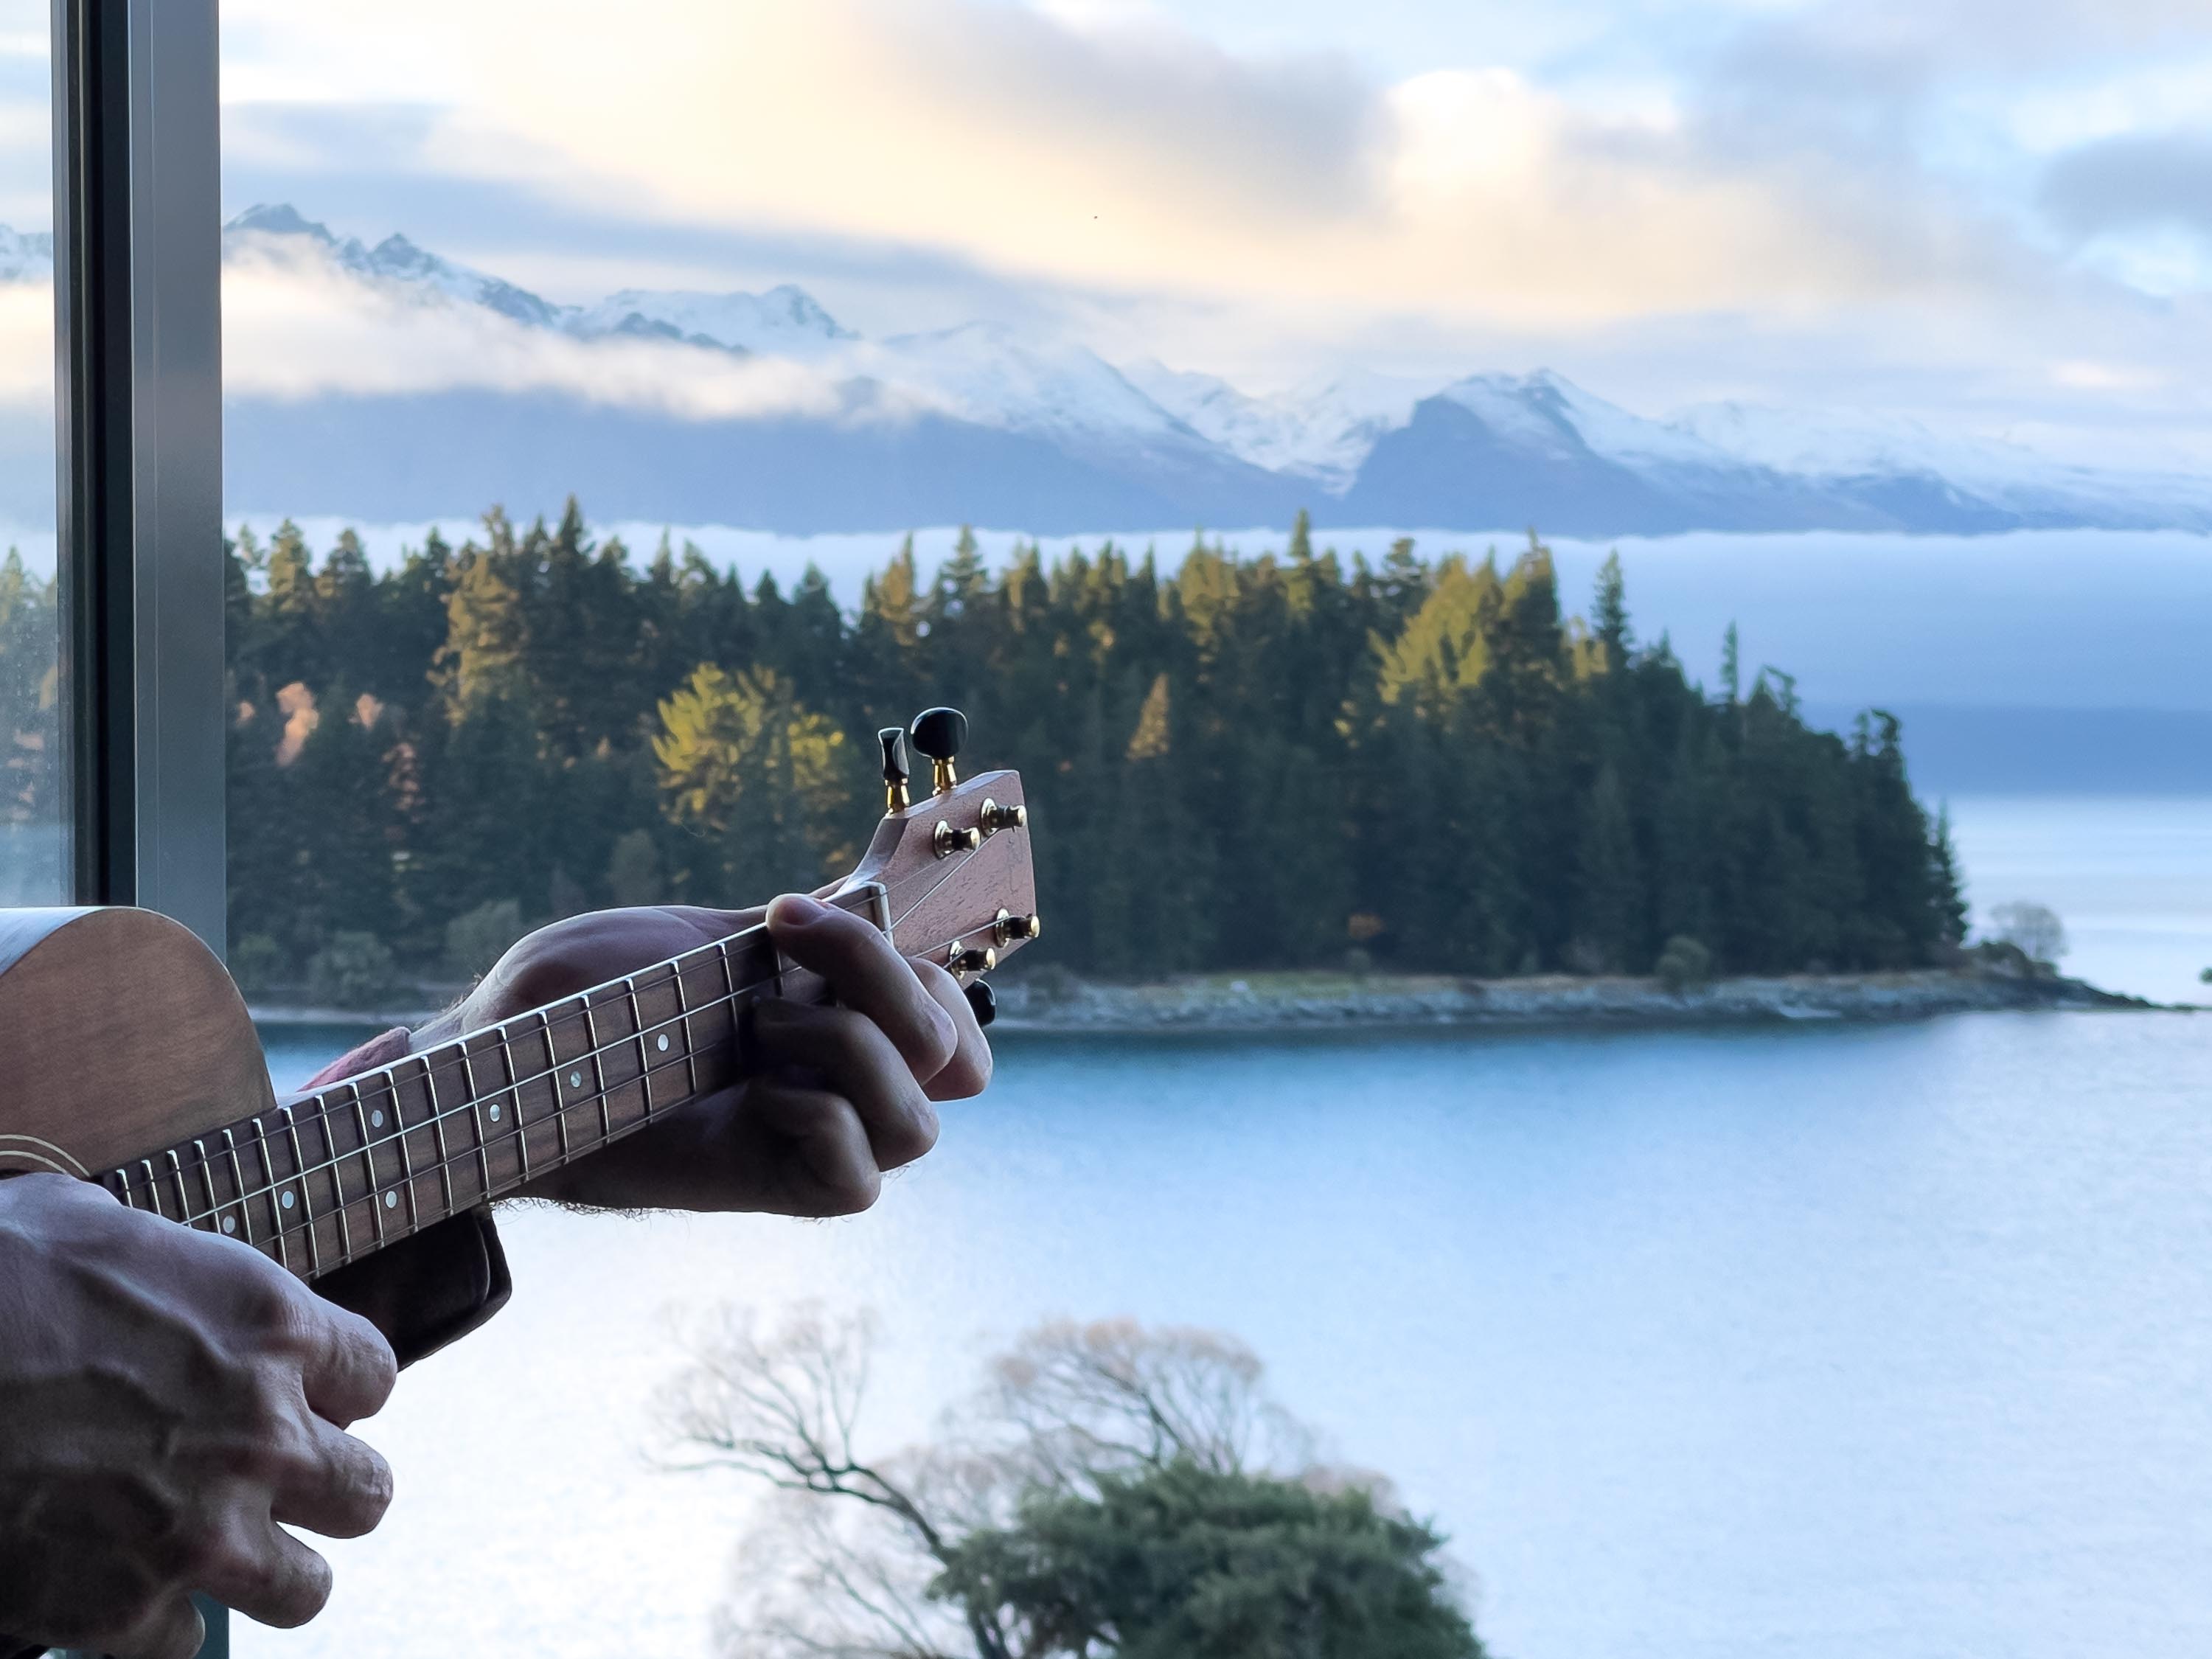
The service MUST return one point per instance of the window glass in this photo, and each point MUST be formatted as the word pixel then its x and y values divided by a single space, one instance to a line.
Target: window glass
pixel 1562 899
pixel 33 803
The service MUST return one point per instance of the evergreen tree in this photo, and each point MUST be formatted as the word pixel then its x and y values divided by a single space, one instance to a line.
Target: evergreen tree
pixel 1238 762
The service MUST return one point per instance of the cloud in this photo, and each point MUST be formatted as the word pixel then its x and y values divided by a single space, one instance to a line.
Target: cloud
pixel 2143 181
pixel 294 325
pixel 1110 151
pixel 26 347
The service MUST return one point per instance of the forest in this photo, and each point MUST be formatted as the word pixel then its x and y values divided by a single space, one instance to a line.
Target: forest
pixel 1290 760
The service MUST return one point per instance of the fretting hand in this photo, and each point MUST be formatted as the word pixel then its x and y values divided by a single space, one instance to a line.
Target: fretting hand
pixel 837 1096
pixel 168 1398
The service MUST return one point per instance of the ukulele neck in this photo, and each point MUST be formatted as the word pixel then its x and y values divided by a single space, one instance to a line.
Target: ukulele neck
pixel 328 1177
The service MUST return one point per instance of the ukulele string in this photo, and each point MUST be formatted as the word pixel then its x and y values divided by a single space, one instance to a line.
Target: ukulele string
pixel 518 1133
pixel 512 1087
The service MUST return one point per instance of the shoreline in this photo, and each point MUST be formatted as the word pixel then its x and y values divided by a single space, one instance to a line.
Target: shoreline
pixel 1053 1003
pixel 1325 1002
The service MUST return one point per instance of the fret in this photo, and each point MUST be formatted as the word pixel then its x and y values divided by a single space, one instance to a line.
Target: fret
pixel 406 1166
pixel 369 1121
pixel 269 1192
pixel 215 1217
pixel 153 1187
pixel 514 1089
pixel 598 1073
pixel 729 982
pixel 123 1189
pixel 475 1115
pixel 637 1033
pixel 238 1185
pixel 368 1156
pixel 438 1128
pixel 184 1199
pixel 553 1070
pixel 683 1025
pixel 337 1178
pixel 306 1195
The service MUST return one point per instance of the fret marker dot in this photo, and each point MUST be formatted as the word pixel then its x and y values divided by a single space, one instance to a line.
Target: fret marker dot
pixel 391 1200
pixel 664 1043
pixel 230 1223
pixel 287 1200
pixel 376 1120
pixel 494 1114
pixel 575 1079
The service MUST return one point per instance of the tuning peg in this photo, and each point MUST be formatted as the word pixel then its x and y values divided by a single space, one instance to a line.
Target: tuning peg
pixel 939 733
pixel 983 999
pixel 1010 927
pixel 997 817
pixel 895 769
pixel 971 958
pixel 947 840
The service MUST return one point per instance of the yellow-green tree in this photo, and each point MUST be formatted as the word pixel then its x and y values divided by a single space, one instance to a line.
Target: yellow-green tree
pixel 769 788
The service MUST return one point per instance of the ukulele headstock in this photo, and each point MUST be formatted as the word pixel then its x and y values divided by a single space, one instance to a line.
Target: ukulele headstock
pixel 954 863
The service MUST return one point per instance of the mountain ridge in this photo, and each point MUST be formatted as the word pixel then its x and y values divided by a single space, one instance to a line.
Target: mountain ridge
pixel 1025 431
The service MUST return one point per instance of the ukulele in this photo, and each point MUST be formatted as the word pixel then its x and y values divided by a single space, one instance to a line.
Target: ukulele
pixel 127 1057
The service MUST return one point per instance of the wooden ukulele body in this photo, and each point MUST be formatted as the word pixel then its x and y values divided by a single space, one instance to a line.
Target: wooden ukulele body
pixel 119 1031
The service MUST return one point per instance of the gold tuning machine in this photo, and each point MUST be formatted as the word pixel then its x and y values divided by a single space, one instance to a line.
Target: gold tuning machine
pixel 1010 927
pixel 948 841
pixel 895 798
pixel 997 817
pixel 971 958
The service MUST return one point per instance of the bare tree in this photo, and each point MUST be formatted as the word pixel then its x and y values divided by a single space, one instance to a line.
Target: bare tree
pixel 839 1563
pixel 2034 929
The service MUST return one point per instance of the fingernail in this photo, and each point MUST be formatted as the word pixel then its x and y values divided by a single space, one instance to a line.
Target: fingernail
pixel 796 909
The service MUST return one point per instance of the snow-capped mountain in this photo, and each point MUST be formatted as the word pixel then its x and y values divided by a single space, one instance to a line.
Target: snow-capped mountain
pixel 989 424
pixel 784 322
pixel 1322 430
pixel 395 260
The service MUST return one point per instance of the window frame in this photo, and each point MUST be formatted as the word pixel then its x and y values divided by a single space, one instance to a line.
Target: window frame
pixel 139 414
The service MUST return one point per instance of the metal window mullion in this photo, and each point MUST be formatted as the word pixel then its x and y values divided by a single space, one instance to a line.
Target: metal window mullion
pixel 139 421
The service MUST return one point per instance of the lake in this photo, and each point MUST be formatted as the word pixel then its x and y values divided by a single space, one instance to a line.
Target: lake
pixel 1811 1341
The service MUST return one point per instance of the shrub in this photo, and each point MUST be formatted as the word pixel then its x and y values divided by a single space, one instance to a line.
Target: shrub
pixel 2035 928
pixel 354 970
pixel 1684 964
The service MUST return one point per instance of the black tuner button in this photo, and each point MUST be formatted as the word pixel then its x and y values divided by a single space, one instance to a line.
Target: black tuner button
pixel 939 733
pixel 895 769
pixel 894 743
pixel 983 999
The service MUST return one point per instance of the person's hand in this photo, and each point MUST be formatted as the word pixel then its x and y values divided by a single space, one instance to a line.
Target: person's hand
pixel 835 1097
pixel 167 1398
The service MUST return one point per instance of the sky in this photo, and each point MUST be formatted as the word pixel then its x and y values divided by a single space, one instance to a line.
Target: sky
pixel 1998 214
pixel 1992 214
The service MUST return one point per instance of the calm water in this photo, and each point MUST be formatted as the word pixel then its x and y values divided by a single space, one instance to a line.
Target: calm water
pixel 1810 1342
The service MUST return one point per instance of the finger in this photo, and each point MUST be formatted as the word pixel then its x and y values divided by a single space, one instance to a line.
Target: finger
pixel 835 1172
pixel 262 1572
pixel 868 976
pixel 967 1073
pixel 339 1487
pixel 857 1061
pixel 350 1369
pixel 172 1631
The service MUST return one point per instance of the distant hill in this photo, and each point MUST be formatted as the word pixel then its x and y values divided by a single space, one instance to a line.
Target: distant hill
pixel 833 432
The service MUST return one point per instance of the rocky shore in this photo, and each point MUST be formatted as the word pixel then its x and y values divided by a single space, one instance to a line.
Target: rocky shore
pixel 1052 1002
